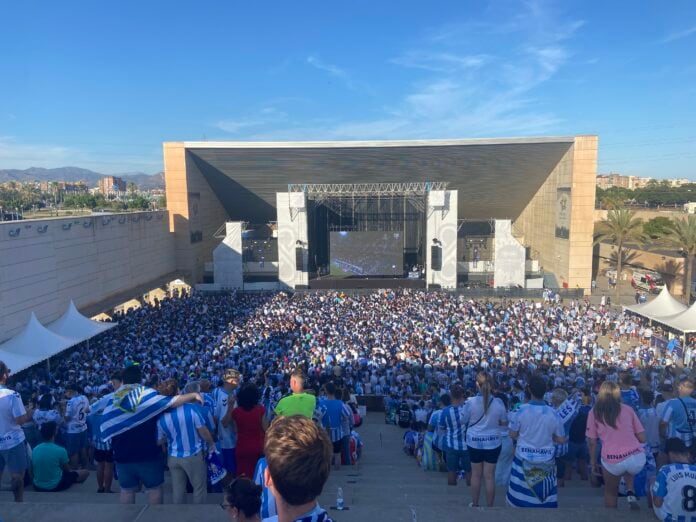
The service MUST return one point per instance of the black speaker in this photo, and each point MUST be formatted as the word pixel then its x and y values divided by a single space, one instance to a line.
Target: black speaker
pixel 299 259
pixel 436 257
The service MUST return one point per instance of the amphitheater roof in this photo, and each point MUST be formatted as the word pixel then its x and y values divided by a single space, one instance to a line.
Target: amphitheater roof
pixel 496 177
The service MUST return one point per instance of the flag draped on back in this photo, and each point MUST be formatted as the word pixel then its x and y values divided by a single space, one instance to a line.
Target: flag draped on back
pixel 567 411
pixel 132 404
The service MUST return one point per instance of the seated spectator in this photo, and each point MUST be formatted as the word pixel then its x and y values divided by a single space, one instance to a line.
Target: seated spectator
pixel 298 453
pixel 50 463
pixel 674 491
pixel 243 500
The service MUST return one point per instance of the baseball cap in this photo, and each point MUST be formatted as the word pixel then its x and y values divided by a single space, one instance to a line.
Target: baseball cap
pixel 231 375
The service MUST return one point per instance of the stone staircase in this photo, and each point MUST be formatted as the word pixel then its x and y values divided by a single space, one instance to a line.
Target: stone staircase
pixel 387 486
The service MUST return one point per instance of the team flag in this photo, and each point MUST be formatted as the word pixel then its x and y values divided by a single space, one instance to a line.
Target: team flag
pixel 132 404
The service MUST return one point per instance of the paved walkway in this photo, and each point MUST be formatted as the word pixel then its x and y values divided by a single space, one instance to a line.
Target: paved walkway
pixel 387 486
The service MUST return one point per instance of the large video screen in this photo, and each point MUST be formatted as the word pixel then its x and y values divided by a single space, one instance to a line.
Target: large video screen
pixel 361 254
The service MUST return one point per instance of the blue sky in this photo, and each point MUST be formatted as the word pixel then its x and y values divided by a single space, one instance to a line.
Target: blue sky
pixel 101 85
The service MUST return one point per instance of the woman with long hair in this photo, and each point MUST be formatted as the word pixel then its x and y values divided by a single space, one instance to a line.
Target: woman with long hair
pixel 622 436
pixel 250 423
pixel 484 415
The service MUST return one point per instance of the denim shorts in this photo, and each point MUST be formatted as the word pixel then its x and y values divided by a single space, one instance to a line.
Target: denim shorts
pixel 457 460
pixel 131 474
pixel 14 459
pixel 577 450
pixel 75 442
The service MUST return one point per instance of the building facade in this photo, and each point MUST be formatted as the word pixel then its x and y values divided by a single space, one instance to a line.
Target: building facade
pixel 545 186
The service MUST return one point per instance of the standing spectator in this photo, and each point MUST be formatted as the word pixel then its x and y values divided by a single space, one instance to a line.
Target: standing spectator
pixel 537 428
pixel 130 423
pixel 47 412
pixel 674 491
pixel 679 417
pixel 183 429
pixel 578 454
pixel 50 463
pixel 268 503
pixel 453 423
pixel 13 452
pixel 76 411
pixel 224 400
pixel 484 415
pixel 250 423
pixel 299 462
pixel 622 436
pixel 299 402
pixel 332 414
pixel 103 454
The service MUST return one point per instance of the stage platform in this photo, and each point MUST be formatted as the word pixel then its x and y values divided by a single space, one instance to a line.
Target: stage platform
pixel 349 283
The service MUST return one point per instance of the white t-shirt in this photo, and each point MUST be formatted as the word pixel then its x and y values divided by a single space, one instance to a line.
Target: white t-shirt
pixel 11 407
pixel 226 436
pixel 484 429
pixel 536 424
pixel 41 417
pixel 76 414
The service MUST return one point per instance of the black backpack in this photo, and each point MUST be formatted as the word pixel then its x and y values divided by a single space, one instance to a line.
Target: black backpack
pixel 404 414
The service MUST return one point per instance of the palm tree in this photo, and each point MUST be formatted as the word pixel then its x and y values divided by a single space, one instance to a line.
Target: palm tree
pixel 682 235
pixel 619 227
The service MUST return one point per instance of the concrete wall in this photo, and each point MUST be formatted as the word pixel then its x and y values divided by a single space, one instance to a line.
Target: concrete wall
pixel 670 267
pixel 195 212
pixel 46 263
pixel 570 259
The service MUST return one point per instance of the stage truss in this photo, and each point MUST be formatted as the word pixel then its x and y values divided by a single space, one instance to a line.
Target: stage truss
pixel 367 189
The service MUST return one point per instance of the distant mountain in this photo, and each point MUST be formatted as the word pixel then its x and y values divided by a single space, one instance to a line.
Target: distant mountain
pixel 74 174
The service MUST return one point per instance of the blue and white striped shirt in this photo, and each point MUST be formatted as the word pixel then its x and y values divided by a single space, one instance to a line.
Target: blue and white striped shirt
pixel 268 503
pixel 180 429
pixel 452 421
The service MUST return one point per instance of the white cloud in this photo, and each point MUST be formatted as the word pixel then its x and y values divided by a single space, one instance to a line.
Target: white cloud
pixel 333 70
pixel 679 35
pixel 463 89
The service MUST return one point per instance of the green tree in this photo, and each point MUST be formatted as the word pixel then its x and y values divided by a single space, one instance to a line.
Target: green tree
pixel 682 235
pixel 657 227
pixel 619 228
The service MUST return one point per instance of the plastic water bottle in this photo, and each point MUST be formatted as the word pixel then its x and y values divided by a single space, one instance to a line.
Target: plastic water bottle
pixel 339 499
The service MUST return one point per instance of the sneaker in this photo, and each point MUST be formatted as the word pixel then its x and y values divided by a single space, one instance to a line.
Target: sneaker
pixel 632 501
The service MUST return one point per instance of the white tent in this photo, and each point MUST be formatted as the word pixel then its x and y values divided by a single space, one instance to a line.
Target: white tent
pixel 684 322
pixel 35 343
pixel 664 305
pixel 74 325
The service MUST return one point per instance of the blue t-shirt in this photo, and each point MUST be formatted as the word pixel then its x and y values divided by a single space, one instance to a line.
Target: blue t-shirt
pixel 332 413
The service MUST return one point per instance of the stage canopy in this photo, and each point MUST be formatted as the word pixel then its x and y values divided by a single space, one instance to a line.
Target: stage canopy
pixel 74 325
pixel 664 305
pixel 36 343
pixel 684 322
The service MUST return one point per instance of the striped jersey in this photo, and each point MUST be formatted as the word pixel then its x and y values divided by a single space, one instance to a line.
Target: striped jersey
pixel 680 415
pixel 180 429
pixel 318 514
pixel 94 430
pixel 453 423
pixel 268 503
pixel 333 415
pixel 676 485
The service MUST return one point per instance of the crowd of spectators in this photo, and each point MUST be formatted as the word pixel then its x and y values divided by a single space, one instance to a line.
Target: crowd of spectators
pixel 505 381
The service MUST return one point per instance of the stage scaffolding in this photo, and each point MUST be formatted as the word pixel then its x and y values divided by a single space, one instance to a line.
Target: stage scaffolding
pixel 385 207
